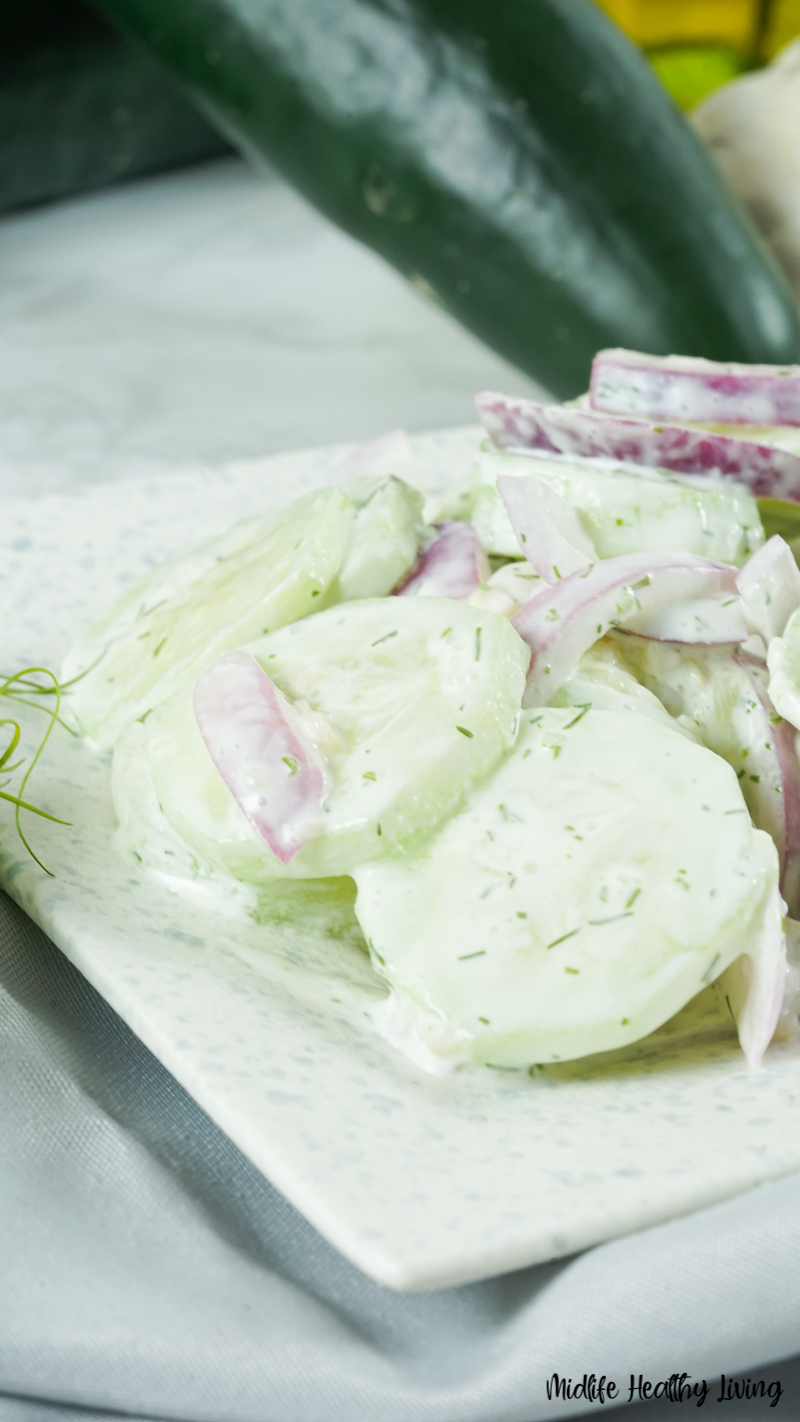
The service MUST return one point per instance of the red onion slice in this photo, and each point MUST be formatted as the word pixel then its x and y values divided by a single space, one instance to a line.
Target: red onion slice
pixel 388 454
pixel 588 434
pixel 547 528
pixel 769 585
pixel 697 622
pixel 754 985
pixel 687 388
pixel 452 566
pixel 564 621
pixel 773 780
pixel 254 738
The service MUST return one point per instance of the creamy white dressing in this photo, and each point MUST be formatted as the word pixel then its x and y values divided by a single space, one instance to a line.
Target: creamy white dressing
pixel 408 701
pixel 257 577
pixel 535 886
pixel 605 874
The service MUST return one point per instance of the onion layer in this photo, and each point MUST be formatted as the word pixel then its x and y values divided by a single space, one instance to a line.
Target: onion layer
pixel 254 738
pixel 564 621
pixel 588 434
pixel 689 388
pixel 452 566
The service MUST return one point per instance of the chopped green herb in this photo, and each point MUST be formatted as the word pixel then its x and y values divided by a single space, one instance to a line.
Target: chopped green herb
pixel 380 831
pixel 575 971
pixel 632 900
pixel 385 638
pixel 706 978
pixel 600 922
pixel 462 957
pixel 477 644
pixel 553 615
pixel 291 762
pixel 484 1020
pixel 521 915
pixel 369 775
pixel 563 938
pixel 160 645
pixel 585 706
pixel 446 631
pixel 465 732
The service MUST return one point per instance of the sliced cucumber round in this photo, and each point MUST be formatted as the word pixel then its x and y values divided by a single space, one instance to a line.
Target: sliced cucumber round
pixel 604 875
pixel 784 667
pixel 260 575
pixel 387 533
pixel 625 512
pixel 409 701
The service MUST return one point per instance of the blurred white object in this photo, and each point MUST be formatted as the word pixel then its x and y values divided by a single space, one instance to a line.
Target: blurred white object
pixel 752 127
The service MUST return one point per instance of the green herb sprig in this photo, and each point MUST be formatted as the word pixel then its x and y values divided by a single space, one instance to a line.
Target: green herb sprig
pixel 20 687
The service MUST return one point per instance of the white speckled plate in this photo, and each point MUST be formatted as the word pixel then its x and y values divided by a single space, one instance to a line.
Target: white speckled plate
pixel 421 1182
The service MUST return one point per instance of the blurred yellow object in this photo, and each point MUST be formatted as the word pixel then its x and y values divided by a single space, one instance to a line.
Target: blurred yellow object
pixel 653 23
pixel 782 25
pixel 695 46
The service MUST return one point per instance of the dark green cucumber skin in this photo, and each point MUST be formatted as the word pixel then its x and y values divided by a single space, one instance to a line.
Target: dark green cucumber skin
pixel 517 159
pixel 80 107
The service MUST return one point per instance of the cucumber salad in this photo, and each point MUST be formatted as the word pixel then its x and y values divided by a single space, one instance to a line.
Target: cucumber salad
pixel 539 735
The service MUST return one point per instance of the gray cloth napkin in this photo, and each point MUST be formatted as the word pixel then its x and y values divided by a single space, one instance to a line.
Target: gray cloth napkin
pixel 146 1268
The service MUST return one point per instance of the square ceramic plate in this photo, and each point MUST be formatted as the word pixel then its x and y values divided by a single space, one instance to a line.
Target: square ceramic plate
pixel 422 1182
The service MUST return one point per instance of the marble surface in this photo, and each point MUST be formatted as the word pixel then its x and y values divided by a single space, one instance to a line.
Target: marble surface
pixel 208 316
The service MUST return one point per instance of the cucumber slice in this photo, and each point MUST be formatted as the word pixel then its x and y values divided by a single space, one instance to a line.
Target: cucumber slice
pixel 386 538
pixel 603 876
pixel 263 573
pixel 410 701
pixel 603 682
pixel 783 657
pixel 260 575
pixel 624 512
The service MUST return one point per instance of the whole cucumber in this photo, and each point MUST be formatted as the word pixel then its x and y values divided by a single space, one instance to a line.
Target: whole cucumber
pixel 517 160
pixel 79 107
